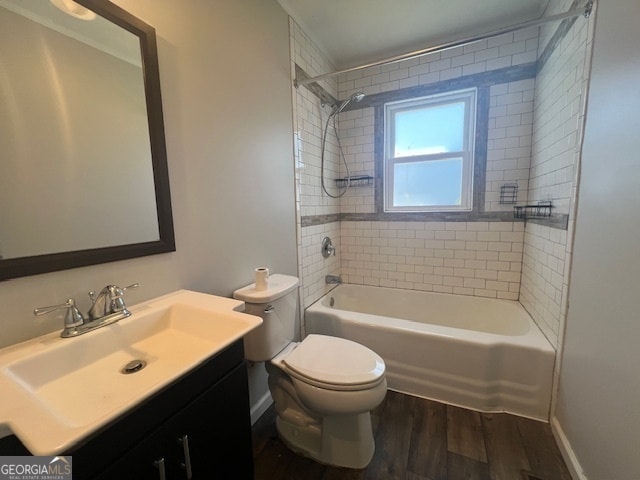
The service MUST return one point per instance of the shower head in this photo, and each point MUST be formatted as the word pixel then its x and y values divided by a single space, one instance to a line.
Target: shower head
pixel 356 97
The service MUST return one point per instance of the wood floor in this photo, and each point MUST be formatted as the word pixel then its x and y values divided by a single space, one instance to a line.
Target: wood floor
pixel 418 439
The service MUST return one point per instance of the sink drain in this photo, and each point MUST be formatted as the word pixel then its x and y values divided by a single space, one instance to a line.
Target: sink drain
pixel 133 366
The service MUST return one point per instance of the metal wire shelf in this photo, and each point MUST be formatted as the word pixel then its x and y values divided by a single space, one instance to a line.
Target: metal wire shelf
pixel 356 181
pixel 539 210
pixel 509 194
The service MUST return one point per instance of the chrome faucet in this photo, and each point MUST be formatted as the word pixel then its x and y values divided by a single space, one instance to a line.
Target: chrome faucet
pixel 108 307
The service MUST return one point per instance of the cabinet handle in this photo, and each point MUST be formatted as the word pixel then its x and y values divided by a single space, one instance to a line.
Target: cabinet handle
pixel 159 464
pixel 184 441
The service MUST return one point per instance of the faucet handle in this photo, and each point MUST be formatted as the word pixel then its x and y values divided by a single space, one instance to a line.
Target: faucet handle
pixel 116 292
pixel 108 301
pixel 116 295
pixel 113 290
pixel 129 287
pixel 73 318
pixel 327 248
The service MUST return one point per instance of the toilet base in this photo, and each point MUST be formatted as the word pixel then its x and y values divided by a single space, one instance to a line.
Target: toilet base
pixel 342 440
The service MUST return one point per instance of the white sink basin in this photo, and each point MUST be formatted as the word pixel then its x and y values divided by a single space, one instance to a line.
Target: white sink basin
pixel 62 389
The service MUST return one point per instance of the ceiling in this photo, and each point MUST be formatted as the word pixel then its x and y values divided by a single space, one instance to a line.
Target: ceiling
pixel 353 32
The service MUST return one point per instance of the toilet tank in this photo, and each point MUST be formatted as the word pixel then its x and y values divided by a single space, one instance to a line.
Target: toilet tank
pixel 277 305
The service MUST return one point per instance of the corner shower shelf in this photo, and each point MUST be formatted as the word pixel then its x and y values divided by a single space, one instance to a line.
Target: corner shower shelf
pixel 357 181
pixel 539 210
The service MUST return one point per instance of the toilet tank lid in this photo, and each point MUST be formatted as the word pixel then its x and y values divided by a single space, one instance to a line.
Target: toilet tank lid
pixel 278 285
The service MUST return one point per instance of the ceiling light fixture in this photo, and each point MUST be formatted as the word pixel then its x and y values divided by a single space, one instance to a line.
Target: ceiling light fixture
pixel 75 10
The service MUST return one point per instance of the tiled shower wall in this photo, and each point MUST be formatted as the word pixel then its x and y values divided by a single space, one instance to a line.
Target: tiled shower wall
pixel 533 140
pixel 476 258
pixel 561 86
pixel 468 258
pixel 309 121
pixel 481 258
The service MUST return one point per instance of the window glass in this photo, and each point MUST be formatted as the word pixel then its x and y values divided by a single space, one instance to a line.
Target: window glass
pixel 429 130
pixel 429 144
pixel 438 182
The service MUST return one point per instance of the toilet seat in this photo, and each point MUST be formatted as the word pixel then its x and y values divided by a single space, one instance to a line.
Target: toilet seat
pixel 334 363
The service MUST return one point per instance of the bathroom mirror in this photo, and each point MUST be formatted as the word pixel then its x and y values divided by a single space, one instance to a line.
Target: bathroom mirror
pixel 83 165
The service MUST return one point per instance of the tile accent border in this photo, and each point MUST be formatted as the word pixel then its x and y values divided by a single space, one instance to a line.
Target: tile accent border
pixel 557 37
pixel 560 221
pixel 487 79
pixel 315 87
pixel 311 220
pixel 430 217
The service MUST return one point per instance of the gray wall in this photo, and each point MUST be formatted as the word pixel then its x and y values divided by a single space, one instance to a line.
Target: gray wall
pixel 599 391
pixel 224 69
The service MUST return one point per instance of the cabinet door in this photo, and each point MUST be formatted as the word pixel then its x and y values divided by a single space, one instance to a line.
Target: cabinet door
pixel 210 439
pixel 213 435
pixel 146 461
pixel 12 446
pixel 114 444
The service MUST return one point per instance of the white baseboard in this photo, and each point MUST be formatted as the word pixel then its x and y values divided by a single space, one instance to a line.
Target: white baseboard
pixel 575 469
pixel 261 406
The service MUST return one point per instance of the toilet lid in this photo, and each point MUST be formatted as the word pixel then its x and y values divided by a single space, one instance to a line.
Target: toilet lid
pixel 335 361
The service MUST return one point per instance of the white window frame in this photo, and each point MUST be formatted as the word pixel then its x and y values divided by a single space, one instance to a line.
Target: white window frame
pixel 469 97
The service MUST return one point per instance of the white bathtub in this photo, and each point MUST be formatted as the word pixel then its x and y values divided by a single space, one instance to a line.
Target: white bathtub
pixel 478 353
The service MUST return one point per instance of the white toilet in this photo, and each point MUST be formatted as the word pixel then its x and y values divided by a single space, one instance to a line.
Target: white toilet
pixel 323 388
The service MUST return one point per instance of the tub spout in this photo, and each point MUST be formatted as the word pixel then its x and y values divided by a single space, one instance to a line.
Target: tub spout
pixel 333 279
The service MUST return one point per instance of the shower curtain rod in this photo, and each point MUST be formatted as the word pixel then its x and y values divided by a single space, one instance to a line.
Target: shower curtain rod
pixel 584 11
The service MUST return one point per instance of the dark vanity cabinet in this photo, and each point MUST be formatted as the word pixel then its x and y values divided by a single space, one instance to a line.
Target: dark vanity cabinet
pixel 197 428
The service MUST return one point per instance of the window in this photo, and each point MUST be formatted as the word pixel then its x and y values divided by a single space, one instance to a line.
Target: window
pixel 428 159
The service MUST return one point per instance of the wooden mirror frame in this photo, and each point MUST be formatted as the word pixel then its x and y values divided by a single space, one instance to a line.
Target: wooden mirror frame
pixel 25 266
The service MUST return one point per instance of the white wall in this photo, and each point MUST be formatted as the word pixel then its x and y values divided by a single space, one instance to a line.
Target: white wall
pixel 599 392
pixel 224 70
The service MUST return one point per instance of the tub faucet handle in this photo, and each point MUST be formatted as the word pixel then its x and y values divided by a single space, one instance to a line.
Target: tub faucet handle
pixel 327 248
